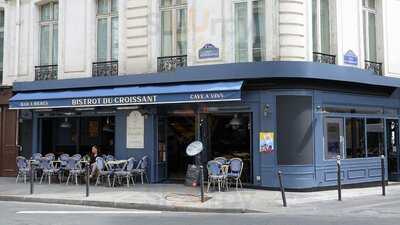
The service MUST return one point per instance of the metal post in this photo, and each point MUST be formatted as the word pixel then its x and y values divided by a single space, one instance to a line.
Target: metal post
pixel 339 178
pixel 282 188
pixel 87 179
pixel 383 175
pixel 32 176
pixel 202 183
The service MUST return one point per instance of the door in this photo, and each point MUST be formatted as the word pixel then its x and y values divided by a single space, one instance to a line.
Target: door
pixel 334 135
pixel 8 143
pixel 393 155
pixel 162 164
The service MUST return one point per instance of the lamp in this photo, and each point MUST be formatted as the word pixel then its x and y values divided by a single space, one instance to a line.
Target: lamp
pixel 107 127
pixel 235 122
pixel 65 124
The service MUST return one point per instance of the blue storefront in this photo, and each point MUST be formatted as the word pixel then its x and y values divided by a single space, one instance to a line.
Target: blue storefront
pixel 313 111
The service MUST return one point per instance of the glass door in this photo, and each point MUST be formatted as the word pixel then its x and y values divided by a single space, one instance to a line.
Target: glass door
pixel 334 138
pixel 162 165
pixel 393 156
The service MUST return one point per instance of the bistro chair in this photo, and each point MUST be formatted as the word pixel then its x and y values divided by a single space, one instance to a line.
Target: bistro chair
pixel 74 169
pixel 109 158
pixel 63 164
pixel 141 169
pixel 23 168
pixel 48 169
pixel 215 175
pixel 235 171
pixel 221 160
pixel 77 157
pixel 50 156
pixel 36 156
pixel 103 171
pixel 126 172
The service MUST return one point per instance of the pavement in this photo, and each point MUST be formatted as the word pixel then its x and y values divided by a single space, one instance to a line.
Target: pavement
pixel 177 197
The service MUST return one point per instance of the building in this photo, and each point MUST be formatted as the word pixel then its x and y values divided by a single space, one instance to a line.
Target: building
pixel 148 77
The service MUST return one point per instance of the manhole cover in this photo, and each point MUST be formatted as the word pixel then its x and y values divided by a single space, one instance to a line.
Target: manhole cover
pixel 176 197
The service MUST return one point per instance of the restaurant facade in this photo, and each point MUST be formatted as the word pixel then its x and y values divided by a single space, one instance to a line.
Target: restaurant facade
pixel 290 116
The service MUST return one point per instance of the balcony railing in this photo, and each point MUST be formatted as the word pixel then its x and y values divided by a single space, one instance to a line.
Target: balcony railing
pixel 103 69
pixel 170 63
pixel 324 58
pixel 48 72
pixel 376 67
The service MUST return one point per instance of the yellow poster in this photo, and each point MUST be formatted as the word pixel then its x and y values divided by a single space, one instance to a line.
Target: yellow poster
pixel 266 142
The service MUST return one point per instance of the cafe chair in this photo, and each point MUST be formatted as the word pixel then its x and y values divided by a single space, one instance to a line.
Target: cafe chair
pixel 48 169
pixel 77 157
pixel 74 169
pixel 50 156
pixel 36 156
pixel 109 158
pixel 235 171
pixel 215 175
pixel 126 172
pixel 141 169
pixel 103 171
pixel 221 160
pixel 63 164
pixel 23 168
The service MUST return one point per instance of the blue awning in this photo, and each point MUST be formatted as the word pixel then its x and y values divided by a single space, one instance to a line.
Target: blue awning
pixel 136 95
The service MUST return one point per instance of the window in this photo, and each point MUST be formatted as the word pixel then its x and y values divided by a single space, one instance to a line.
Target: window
pixel 369 29
pixel 1 44
pixel 375 137
pixel 243 51
pixel 173 27
pixel 321 26
pixel 107 30
pixel 355 137
pixel 49 34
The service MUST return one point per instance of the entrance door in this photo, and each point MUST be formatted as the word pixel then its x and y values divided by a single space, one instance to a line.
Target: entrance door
pixel 334 138
pixel 392 135
pixel 8 146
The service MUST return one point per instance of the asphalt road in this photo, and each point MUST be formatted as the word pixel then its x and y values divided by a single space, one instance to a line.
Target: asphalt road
pixel 354 213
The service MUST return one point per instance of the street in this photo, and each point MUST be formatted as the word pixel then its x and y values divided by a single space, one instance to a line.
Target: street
pixel 364 211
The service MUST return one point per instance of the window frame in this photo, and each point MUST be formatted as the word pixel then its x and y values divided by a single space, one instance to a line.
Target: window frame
pixel 109 16
pixel 174 8
pixel 366 10
pixel 51 23
pixel 250 30
pixel 2 13
pixel 316 34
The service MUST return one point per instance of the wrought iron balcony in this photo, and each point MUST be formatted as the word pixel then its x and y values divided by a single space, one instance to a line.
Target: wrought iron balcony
pixel 324 58
pixel 376 67
pixel 170 63
pixel 103 69
pixel 48 72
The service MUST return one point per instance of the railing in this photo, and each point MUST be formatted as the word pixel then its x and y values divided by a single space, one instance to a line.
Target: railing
pixel 376 67
pixel 170 63
pixel 48 72
pixel 102 69
pixel 324 58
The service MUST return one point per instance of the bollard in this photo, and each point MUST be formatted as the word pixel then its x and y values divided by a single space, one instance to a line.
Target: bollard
pixel 383 175
pixel 87 179
pixel 282 188
pixel 201 183
pixel 32 174
pixel 339 178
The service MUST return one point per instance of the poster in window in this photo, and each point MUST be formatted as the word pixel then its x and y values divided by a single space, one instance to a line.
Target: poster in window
pixel 267 142
pixel 135 130
pixel 93 128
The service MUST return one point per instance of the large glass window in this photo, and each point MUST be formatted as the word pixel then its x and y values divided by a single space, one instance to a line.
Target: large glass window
pixel 107 30
pixel 369 29
pixel 173 27
pixel 1 44
pixel 375 137
pixel 49 34
pixel 334 137
pixel 355 138
pixel 242 36
pixel 321 26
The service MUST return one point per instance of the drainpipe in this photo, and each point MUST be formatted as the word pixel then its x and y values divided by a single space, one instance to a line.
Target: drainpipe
pixel 18 25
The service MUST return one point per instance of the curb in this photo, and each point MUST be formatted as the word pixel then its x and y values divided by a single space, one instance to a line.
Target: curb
pixel 122 205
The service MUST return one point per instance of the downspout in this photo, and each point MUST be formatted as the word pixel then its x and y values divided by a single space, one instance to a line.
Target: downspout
pixel 18 25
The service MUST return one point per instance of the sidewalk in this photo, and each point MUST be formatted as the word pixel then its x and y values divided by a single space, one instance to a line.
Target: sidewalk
pixel 175 197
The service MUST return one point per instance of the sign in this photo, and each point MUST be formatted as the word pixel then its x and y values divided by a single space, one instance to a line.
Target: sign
pixel 135 130
pixel 194 148
pixel 208 51
pixel 267 142
pixel 350 58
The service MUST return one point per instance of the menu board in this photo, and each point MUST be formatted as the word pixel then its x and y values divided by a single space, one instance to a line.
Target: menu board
pixel 135 130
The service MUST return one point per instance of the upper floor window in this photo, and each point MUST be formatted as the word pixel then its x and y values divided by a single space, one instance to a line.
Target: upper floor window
pixel 49 34
pixel 107 30
pixel 369 29
pixel 1 44
pixel 173 27
pixel 321 26
pixel 249 46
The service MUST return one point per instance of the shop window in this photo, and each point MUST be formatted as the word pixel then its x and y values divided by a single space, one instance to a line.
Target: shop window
pixel 1 44
pixel 369 29
pixel 353 109
pixel 173 27
pixel 243 51
pixel 107 30
pixel 49 34
pixel 375 137
pixel 355 138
